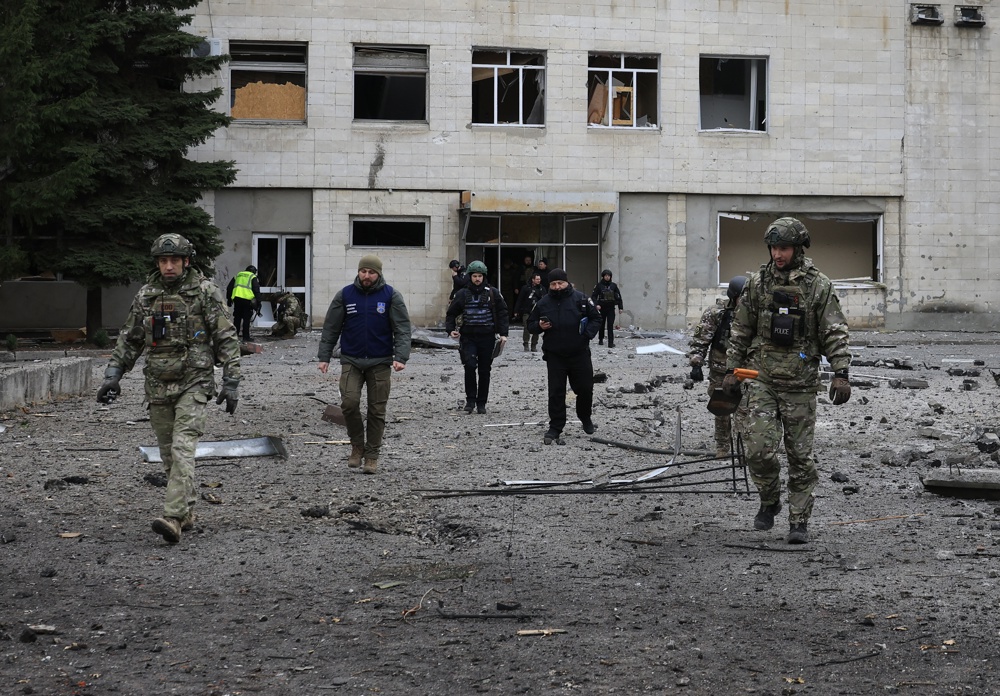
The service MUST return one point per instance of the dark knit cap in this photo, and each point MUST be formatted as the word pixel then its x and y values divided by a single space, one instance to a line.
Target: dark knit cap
pixel 558 274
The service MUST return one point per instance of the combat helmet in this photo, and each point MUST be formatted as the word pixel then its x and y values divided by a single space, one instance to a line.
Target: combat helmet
pixel 787 230
pixel 172 244
pixel 476 267
pixel 736 287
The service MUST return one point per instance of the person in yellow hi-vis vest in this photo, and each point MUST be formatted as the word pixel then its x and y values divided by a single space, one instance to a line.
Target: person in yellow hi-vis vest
pixel 243 295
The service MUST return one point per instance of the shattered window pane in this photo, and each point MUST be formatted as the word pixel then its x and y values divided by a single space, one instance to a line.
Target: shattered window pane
pixel 390 83
pixel 268 81
pixel 622 90
pixel 508 88
pixel 733 93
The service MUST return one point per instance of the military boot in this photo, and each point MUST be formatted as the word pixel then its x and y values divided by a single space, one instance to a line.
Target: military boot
pixel 765 516
pixel 370 466
pixel 169 528
pixel 187 522
pixel 357 452
pixel 798 533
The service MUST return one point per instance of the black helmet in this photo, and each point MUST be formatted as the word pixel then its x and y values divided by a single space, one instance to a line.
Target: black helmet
pixel 787 230
pixel 607 272
pixel 736 287
pixel 454 263
pixel 252 269
pixel 172 244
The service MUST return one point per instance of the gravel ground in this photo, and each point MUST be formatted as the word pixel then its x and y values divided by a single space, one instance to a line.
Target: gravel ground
pixel 305 577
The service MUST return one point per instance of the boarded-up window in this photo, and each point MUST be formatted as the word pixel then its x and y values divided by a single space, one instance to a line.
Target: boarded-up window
pixel 268 81
pixel 390 83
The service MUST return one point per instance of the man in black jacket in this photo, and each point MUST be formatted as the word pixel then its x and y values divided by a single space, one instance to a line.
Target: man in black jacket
pixel 569 322
pixel 607 297
pixel 529 296
pixel 484 316
pixel 458 277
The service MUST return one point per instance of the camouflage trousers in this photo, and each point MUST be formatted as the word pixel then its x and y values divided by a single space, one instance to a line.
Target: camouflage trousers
pixel 286 328
pixel 774 416
pixel 378 379
pixel 178 425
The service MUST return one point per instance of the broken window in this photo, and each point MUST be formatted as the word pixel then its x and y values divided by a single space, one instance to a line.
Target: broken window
pixel 845 246
pixel 508 87
pixel 389 232
pixel 268 81
pixel 390 83
pixel 733 93
pixel 622 90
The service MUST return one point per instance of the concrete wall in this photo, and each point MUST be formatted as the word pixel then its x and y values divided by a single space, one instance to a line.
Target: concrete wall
pixel 58 304
pixel 25 384
pixel 846 83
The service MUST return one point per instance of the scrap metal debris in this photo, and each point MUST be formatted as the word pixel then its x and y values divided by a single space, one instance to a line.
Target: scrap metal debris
pixel 251 447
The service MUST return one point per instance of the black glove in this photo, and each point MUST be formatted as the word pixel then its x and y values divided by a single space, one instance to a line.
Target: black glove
pixel 696 374
pixel 730 384
pixel 840 388
pixel 111 388
pixel 229 393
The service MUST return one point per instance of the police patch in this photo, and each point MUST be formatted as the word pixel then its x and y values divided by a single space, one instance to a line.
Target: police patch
pixel 380 308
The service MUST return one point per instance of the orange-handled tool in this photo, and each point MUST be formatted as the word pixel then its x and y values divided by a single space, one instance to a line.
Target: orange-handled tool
pixel 742 374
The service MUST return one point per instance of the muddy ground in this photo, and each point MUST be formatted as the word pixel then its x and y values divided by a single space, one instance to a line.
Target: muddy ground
pixel 393 592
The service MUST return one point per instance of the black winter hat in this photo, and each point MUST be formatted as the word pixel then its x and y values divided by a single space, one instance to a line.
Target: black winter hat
pixel 558 274
pixel 607 272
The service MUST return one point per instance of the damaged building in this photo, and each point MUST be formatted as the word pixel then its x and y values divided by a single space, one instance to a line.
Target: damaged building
pixel 655 139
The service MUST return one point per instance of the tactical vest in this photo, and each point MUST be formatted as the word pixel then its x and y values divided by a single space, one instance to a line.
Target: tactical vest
pixel 478 310
pixel 174 327
pixel 243 286
pixel 606 292
pixel 786 332
pixel 367 330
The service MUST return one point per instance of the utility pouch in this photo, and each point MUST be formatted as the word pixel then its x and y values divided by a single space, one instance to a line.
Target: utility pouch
pixel 782 328
pixel 161 325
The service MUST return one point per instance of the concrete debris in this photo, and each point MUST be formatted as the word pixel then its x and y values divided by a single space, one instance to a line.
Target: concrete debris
pixel 317 511
pixel 959 372
pixel 969 385
pixel 909 383
pixel 430 339
pixel 251 348
pixel 971 484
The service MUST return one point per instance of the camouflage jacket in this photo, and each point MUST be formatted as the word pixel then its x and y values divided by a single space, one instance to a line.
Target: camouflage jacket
pixel 185 330
pixel 784 323
pixel 703 334
pixel 289 307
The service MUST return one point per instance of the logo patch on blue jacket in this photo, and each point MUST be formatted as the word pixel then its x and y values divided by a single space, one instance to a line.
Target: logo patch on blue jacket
pixel 380 308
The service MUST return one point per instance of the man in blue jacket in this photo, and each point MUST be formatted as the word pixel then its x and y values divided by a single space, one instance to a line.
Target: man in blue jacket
pixel 370 320
pixel 568 322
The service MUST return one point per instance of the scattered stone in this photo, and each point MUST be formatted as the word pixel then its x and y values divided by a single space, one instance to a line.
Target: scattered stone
pixel 839 477
pixel 27 636
pixel 600 378
pixel 55 485
pixel 508 606
pixel 76 480
pixel 351 509
pixel 960 372
pixel 317 511
pixel 851 489
pixel 969 385
pixel 251 348
pixel 988 443
pixel 49 573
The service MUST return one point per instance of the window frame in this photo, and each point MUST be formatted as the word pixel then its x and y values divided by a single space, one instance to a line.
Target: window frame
pixel 626 94
pixel 390 61
pixel 422 220
pixel 278 67
pixel 755 92
pixel 522 70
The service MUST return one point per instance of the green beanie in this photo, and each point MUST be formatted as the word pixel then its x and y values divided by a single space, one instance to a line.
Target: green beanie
pixel 371 261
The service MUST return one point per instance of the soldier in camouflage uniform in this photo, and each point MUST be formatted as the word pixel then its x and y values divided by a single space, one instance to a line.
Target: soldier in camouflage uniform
pixel 179 318
pixel 289 314
pixel 787 318
pixel 711 336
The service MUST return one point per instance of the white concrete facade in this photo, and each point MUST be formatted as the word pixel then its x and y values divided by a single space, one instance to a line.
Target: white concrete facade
pixel 866 113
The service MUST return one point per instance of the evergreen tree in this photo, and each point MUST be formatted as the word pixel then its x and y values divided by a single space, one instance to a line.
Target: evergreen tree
pixel 95 126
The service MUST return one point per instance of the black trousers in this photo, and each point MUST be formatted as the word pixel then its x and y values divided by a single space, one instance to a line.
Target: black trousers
pixel 477 358
pixel 242 315
pixel 607 320
pixel 579 370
